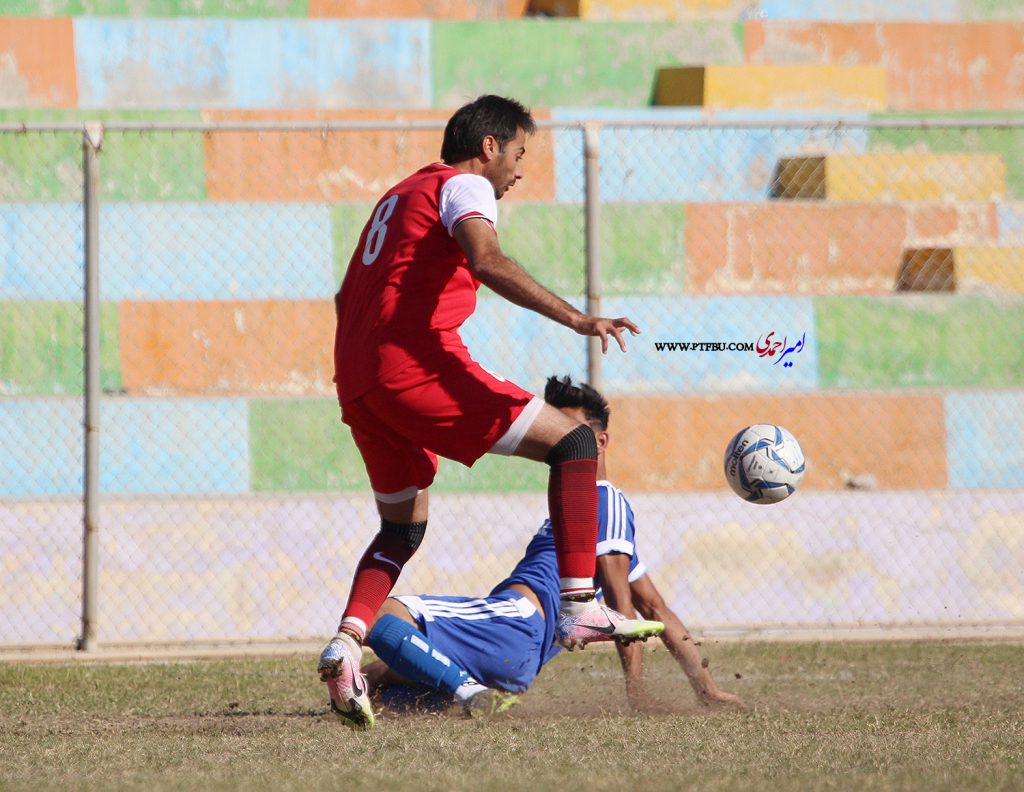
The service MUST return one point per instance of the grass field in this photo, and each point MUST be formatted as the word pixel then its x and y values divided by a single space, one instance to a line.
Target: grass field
pixel 830 716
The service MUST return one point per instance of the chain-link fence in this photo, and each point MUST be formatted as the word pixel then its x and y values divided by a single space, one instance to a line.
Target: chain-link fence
pixel 224 499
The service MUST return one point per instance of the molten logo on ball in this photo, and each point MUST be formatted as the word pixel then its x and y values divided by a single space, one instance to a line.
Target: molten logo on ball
pixel 764 463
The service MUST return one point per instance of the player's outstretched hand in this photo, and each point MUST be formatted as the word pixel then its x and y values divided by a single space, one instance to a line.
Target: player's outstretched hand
pixel 600 326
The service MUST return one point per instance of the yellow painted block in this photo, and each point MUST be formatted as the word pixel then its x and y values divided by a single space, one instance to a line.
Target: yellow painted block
pixel 989 268
pixel 908 176
pixel 796 87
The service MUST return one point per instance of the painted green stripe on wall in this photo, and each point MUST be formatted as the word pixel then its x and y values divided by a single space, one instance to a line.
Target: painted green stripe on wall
pixel 1007 142
pixel 347 221
pixel 300 445
pixel 134 166
pixel 571 63
pixel 41 348
pixel 158 8
pixel 919 341
pixel 641 246
pixel 991 9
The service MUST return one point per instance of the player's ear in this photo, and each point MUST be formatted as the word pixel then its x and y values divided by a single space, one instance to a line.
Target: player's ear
pixel 489 147
pixel 603 438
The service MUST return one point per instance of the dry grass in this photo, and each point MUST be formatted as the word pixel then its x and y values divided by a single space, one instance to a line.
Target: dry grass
pixel 907 716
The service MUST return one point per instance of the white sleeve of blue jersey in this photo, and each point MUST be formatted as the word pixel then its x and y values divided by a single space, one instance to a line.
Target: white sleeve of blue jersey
pixel 614 521
pixel 616 529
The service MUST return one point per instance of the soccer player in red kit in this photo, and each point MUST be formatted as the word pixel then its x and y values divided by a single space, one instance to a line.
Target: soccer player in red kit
pixel 409 389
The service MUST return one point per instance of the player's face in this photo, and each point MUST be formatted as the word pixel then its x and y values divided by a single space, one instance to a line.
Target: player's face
pixel 580 415
pixel 507 167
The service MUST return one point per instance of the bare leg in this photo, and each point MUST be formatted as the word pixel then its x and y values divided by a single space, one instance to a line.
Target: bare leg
pixel 408 511
pixel 550 426
pixel 378 676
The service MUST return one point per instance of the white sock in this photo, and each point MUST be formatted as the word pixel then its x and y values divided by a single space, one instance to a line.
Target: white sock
pixel 467 690
pixel 575 587
pixel 356 625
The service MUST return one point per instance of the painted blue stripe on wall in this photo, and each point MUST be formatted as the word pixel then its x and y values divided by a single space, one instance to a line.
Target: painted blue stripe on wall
pixel 42 449
pixel 985 439
pixel 692 164
pixel 170 251
pixel 253 63
pixel 643 369
pixel 553 349
pixel 41 251
pixel 861 11
pixel 147 446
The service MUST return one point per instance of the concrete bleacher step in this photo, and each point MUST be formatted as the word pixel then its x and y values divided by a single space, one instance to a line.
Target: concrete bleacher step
pixel 37 63
pixel 817 248
pixel 933 11
pixel 946 66
pixel 897 438
pixel 419 9
pixel 986 269
pixel 902 176
pixel 227 347
pixel 356 165
pixel 271 9
pixel 900 341
pixel 397 63
pixel 785 87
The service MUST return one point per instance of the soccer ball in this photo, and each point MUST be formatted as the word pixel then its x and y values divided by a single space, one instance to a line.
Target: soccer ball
pixel 764 463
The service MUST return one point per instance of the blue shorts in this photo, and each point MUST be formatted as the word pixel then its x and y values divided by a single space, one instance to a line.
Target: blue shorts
pixel 497 640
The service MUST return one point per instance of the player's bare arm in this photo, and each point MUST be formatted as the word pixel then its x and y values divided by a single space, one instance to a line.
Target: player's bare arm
pixel 509 280
pixel 649 602
pixel 613 573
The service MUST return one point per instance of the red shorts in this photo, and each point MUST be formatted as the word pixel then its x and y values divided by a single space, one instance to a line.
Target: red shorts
pixel 452 407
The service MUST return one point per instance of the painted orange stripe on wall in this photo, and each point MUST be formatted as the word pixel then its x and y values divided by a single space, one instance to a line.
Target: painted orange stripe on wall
pixel 335 166
pixel 956 66
pixel 956 223
pixel 892 441
pixel 784 247
pixel 37 63
pixel 252 347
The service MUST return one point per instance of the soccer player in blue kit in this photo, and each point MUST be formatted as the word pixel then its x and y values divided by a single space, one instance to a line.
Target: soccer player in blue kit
pixel 481 652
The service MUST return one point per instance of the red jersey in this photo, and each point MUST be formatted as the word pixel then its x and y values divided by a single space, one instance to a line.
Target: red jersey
pixel 408 287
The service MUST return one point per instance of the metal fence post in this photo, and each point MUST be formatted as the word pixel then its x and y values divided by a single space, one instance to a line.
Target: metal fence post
pixel 592 223
pixel 92 140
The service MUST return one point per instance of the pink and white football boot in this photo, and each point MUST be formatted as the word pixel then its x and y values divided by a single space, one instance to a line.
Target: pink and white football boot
pixel 346 684
pixel 587 621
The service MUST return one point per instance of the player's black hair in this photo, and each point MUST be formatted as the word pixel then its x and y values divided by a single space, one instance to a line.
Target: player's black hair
pixel 485 115
pixel 563 393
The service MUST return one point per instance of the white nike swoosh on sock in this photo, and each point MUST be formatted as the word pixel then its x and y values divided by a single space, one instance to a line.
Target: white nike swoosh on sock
pixel 387 560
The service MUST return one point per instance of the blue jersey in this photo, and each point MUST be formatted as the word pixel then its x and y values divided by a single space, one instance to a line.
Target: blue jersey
pixel 501 640
pixel 539 567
